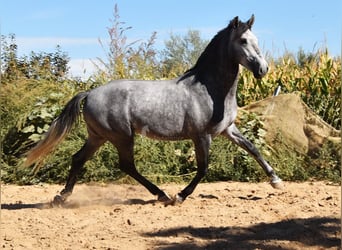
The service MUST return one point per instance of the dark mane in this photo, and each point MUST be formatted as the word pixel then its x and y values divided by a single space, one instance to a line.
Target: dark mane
pixel 216 52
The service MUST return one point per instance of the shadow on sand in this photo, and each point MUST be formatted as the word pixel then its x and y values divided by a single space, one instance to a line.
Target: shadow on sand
pixel 312 233
pixel 74 203
pixel 316 232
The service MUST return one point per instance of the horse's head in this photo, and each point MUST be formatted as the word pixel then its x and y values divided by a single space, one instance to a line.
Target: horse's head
pixel 244 45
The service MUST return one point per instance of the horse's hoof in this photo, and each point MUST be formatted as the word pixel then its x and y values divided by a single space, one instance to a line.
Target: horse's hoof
pixel 176 200
pixel 58 201
pixel 164 198
pixel 277 183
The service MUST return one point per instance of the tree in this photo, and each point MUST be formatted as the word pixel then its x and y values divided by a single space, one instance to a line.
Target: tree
pixel 181 53
pixel 43 65
pixel 9 59
pixel 40 65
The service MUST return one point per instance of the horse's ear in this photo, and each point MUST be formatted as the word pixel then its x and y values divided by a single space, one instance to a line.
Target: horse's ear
pixel 235 22
pixel 251 21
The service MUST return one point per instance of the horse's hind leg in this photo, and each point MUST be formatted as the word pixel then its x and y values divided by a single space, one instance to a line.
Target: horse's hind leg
pixel 78 161
pixel 126 163
pixel 235 136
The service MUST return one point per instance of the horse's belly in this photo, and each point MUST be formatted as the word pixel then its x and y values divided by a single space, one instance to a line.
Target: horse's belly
pixel 165 132
pixel 160 125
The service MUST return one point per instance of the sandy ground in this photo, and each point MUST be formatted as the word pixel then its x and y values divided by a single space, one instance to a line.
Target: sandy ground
pixel 225 215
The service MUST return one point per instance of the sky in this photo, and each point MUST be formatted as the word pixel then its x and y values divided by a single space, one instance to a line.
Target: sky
pixel 77 25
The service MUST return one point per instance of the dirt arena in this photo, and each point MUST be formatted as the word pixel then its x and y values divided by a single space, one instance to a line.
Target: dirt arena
pixel 224 215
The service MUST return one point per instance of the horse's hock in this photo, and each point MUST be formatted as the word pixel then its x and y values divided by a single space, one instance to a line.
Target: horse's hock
pixel 290 118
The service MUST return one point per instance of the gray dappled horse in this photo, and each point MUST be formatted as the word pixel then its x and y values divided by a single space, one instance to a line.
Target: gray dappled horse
pixel 199 105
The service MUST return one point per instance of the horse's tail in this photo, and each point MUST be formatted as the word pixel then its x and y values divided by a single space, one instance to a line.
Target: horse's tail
pixel 59 128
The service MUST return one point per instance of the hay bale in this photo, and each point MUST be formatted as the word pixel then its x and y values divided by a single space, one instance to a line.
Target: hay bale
pixel 296 123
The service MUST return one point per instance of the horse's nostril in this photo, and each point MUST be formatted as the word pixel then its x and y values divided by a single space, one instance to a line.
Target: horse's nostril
pixel 263 70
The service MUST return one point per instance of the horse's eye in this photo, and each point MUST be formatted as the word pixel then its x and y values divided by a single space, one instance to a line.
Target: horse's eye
pixel 243 41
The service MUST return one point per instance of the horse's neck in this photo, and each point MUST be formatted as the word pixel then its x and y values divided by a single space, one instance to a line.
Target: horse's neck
pixel 222 90
pixel 223 83
pixel 231 81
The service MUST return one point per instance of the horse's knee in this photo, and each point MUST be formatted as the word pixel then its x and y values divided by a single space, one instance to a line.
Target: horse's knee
pixel 202 172
pixel 128 168
pixel 202 169
pixel 77 159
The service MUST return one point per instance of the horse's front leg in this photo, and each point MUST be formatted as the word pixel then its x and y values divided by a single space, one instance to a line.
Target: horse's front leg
pixel 202 145
pixel 235 135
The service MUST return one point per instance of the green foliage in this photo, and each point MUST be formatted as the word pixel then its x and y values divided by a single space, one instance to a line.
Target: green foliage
pixel 181 53
pixel 135 60
pixel 49 66
pixel 326 164
pixel 34 90
pixel 163 161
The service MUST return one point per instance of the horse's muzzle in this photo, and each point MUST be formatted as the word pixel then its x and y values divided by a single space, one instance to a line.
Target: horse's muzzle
pixel 260 72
